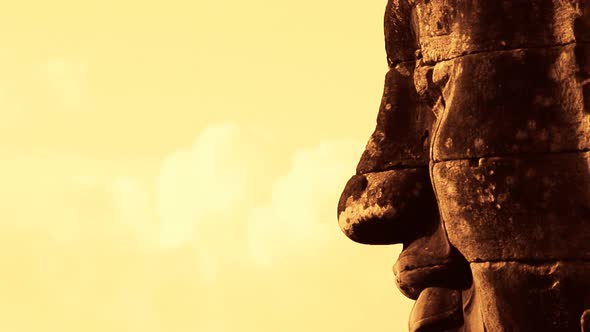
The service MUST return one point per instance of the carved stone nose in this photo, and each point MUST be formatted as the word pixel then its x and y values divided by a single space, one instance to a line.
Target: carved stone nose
pixel 387 207
pixel 391 196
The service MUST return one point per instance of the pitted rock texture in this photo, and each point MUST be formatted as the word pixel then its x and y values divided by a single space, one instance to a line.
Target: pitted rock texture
pixel 375 208
pixel 448 29
pixel 480 164
pixel 534 207
pixel 402 136
pixel 518 101
pixel 535 296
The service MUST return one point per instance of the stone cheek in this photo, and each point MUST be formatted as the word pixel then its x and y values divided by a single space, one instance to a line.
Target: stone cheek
pixel 533 207
pixel 513 102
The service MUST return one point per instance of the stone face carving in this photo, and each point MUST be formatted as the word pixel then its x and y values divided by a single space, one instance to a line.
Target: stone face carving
pixel 480 164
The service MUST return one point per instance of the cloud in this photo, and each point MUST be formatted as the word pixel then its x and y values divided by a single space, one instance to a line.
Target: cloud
pixel 209 190
pixel 265 246
pixel 241 244
pixel 204 189
pixel 66 79
pixel 303 202
pixel 132 205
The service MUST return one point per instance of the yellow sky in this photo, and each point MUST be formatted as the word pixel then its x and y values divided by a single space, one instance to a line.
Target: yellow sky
pixel 175 166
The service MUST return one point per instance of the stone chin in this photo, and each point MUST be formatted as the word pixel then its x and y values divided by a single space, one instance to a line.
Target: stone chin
pixel 437 309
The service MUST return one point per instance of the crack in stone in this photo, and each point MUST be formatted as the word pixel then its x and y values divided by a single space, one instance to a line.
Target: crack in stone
pixel 532 261
pixel 532 47
pixel 476 160
pixel 427 266
pixel 395 168
pixel 393 64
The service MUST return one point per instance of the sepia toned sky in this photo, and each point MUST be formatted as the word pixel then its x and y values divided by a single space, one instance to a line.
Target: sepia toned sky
pixel 176 166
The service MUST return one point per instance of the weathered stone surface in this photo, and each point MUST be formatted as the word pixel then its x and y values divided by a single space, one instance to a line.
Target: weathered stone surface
pixel 512 102
pixel 451 28
pixel 401 138
pixel 480 164
pixel 507 208
pixel 400 40
pixel 387 207
pixel 546 296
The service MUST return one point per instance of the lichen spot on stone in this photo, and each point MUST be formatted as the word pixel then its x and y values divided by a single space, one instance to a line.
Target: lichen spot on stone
pixel 372 148
pixel 350 217
pixel 449 143
pixel 356 212
pixel 451 190
pixel 478 143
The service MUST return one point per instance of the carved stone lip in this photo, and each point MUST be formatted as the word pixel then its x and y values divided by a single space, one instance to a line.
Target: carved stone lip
pixel 409 261
pixel 413 276
pixel 415 272
pixel 412 282
pixel 430 261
